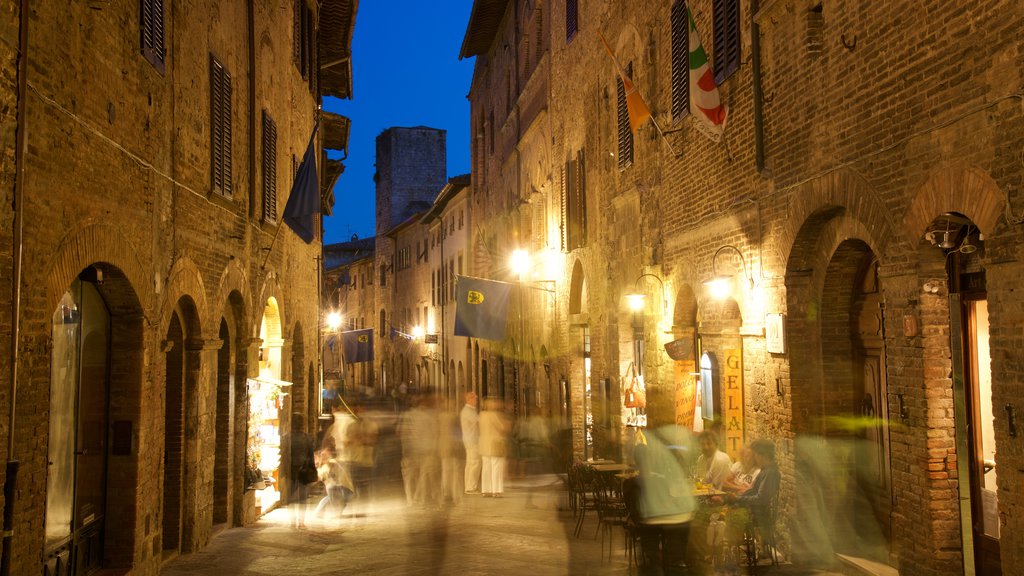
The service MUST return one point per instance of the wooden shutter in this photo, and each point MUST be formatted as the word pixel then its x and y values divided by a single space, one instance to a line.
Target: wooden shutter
pixel 269 168
pixel 680 60
pixel 625 131
pixel 220 128
pixel 563 227
pixel 578 203
pixel 571 18
pixel 152 32
pixel 726 38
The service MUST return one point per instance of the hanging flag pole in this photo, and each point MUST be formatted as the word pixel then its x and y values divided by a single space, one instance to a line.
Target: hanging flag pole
pixel 636 107
pixel 304 199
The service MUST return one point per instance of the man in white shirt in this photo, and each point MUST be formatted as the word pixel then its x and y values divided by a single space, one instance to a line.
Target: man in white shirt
pixel 470 421
pixel 713 465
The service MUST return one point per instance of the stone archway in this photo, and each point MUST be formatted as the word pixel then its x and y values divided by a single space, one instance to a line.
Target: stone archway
pixel 840 399
pixel 182 374
pixel 95 381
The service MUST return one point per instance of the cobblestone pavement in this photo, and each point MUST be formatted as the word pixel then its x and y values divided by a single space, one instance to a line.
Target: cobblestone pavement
pixel 526 533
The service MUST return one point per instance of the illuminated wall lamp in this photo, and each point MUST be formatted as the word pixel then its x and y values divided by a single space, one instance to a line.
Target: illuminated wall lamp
pixel 721 285
pixel 637 299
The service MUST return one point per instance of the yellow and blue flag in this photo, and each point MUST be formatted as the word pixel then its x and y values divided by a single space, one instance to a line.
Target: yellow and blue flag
pixel 481 307
pixel 357 345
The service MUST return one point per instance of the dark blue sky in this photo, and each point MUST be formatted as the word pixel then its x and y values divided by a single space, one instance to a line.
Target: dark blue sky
pixel 406 72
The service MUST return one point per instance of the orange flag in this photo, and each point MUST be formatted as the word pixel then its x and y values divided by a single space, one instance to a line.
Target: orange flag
pixel 635 105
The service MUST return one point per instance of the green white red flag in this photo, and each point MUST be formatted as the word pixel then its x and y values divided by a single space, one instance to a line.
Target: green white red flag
pixel 704 100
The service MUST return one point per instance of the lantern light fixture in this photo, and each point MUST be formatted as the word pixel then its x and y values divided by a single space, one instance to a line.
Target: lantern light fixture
pixel 721 285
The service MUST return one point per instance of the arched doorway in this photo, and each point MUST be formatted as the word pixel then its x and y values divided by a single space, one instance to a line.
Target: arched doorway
pixel 963 279
pixel 840 394
pixel 182 347
pixel 223 424
pixel 267 412
pixel 855 400
pixel 95 376
pixel 684 356
pixel 579 385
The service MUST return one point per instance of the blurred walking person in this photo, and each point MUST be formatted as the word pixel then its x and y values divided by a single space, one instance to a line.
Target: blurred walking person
pixel 494 430
pixel 301 467
pixel 452 456
pixel 470 421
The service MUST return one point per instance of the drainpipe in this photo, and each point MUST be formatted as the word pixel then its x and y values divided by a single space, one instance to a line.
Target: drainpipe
pixel 11 482
pixel 755 68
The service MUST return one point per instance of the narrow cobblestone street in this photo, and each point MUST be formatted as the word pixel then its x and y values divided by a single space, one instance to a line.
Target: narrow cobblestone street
pixel 522 533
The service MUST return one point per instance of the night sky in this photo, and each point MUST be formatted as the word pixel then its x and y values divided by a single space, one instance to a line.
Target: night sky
pixel 406 72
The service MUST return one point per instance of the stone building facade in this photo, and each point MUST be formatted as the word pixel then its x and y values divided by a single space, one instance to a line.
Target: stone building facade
pixel 865 200
pixel 447 225
pixel 349 278
pixel 150 148
pixel 411 170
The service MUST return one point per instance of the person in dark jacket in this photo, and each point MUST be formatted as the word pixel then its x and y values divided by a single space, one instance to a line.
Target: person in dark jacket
pixel 301 468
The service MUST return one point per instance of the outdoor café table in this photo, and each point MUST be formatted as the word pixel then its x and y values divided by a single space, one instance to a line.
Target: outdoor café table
pixel 707 494
pixel 610 467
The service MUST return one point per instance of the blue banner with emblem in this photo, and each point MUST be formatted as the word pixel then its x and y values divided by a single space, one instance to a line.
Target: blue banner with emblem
pixel 481 307
pixel 357 345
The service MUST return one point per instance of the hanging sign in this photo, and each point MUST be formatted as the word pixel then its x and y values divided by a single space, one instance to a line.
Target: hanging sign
pixel 686 392
pixel 680 349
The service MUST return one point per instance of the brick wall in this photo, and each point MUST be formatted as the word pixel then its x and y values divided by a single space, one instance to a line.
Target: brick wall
pixel 118 176
pixel 878 118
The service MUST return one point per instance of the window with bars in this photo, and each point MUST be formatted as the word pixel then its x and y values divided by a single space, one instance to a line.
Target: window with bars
pixel 152 32
pixel 220 128
pixel 269 168
pixel 680 60
pixel 574 204
pixel 726 38
pixel 625 131
pixel 572 21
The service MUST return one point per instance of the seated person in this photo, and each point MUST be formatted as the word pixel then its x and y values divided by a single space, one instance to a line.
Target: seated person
pixel 713 465
pixel 742 473
pixel 761 495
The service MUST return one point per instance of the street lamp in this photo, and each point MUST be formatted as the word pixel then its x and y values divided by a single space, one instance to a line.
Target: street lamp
pixel 721 285
pixel 637 300
pixel 334 320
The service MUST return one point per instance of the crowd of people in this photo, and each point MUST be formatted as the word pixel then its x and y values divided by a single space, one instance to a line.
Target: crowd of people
pixel 444 455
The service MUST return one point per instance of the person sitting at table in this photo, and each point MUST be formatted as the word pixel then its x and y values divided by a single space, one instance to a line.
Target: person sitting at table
pixel 742 473
pixel 760 497
pixel 713 465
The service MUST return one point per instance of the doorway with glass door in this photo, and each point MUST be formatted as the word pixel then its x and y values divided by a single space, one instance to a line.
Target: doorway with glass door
pixel 77 461
pixel 975 431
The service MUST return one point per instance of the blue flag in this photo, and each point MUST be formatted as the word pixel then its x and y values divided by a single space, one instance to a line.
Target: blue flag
pixel 357 345
pixel 304 201
pixel 481 307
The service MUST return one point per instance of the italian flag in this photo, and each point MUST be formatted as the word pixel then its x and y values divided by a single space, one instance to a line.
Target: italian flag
pixel 704 100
